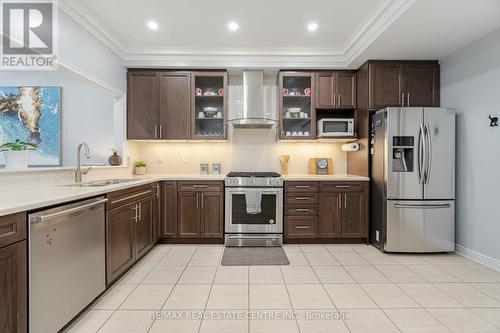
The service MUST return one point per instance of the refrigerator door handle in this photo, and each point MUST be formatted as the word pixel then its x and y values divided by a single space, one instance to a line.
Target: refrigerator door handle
pixel 421 154
pixel 422 206
pixel 429 153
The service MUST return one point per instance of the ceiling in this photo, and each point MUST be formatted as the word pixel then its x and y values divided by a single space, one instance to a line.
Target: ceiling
pixel 274 33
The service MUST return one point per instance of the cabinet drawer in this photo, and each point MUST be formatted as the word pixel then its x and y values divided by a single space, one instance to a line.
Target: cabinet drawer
pixel 301 186
pixel 342 186
pixel 190 186
pixel 300 227
pixel 12 228
pixel 301 198
pixel 129 195
pixel 301 210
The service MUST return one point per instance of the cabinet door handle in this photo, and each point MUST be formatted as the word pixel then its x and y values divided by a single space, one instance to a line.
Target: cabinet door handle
pixel 342 186
pixel 140 212
pixel 156 131
pixel 302 198
pixel 345 200
pixel 301 186
pixel 302 209
pixel 301 227
pixel 160 131
pixel 197 201
pixel 339 201
pixel 135 209
pixel 402 99
pixel 339 101
pixel 407 99
pixel 157 190
pixel 334 99
pixel 200 186
pixel 202 200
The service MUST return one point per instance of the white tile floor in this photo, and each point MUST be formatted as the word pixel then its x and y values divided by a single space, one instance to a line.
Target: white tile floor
pixel 326 288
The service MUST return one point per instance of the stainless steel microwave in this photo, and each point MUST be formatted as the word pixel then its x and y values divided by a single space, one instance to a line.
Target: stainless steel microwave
pixel 328 127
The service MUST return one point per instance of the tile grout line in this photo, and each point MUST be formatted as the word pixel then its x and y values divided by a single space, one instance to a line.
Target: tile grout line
pixel 173 286
pixel 115 310
pixel 324 288
pixel 288 293
pixel 210 291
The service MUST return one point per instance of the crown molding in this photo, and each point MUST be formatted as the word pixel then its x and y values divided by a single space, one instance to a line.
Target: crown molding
pixel 80 14
pixel 374 26
pixel 363 36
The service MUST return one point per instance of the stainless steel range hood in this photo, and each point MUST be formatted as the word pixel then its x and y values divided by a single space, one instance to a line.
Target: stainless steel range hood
pixel 253 114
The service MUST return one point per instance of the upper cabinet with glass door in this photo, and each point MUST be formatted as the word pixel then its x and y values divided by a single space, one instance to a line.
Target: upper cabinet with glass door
pixel 209 111
pixel 297 116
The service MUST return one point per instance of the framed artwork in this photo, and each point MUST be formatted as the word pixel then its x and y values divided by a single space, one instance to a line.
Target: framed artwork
pixel 32 114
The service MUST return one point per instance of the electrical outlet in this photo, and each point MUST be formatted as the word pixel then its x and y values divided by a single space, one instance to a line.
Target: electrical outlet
pixel 185 158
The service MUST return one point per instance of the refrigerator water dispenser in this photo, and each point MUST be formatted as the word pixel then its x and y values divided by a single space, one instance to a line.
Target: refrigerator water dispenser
pixel 402 153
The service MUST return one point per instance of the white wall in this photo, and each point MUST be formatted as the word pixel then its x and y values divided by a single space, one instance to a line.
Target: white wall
pixel 470 82
pixel 91 103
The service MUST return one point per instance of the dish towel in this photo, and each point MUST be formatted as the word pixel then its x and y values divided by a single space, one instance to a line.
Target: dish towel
pixel 253 198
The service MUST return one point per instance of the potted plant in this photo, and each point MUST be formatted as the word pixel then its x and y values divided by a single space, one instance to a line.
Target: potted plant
pixel 17 153
pixel 139 168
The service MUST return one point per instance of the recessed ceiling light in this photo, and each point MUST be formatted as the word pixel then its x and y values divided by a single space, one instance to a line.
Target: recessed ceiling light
pixel 152 25
pixel 233 26
pixel 312 26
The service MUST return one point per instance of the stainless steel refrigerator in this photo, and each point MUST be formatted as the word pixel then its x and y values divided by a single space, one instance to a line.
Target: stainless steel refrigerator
pixel 412 170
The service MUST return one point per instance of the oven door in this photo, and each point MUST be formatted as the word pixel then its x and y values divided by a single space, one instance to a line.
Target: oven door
pixel 269 220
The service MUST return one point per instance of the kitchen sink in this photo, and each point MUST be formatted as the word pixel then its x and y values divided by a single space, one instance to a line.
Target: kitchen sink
pixel 105 182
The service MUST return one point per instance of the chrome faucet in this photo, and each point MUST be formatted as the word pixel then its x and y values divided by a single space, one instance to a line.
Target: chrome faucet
pixel 79 172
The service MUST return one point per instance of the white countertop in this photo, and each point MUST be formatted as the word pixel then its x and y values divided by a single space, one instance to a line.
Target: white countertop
pixel 307 177
pixel 14 201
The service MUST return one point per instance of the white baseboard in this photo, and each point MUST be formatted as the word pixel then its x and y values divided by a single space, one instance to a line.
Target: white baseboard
pixel 478 257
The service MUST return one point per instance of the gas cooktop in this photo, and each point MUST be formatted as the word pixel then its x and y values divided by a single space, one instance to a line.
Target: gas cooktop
pixel 254 174
pixel 254 179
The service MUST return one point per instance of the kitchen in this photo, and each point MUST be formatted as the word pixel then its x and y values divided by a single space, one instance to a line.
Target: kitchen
pixel 242 184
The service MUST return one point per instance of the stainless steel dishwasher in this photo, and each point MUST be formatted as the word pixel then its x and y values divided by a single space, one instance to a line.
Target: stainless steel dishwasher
pixel 66 262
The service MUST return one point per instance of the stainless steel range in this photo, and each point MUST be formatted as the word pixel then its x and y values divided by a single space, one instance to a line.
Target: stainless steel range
pixel 254 209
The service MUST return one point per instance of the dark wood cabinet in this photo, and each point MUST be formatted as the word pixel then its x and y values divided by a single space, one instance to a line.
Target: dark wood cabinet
pixel 143 227
pixel 130 223
pixel 403 83
pixel 189 215
pixel 325 211
pixel 330 215
pixel 119 241
pixel 164 105
pixel 301 227
pixel 175 105
pixel 200 209
pixel 169 209
pixel 297 110
pixel 336 90
pixel 12 228
pixel 325 90
pixel 354 215
pixel 208 106
pixel 386 85
pixel 13 290
pixel 143 97
pixel 157 219
pixel 343 210
pixel 212 207
pixel 422 84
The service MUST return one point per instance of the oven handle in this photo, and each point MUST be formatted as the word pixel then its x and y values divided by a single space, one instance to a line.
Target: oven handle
pixel 242 190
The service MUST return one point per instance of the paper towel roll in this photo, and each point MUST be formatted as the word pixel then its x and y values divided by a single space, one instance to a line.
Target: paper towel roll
pixel 350 147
